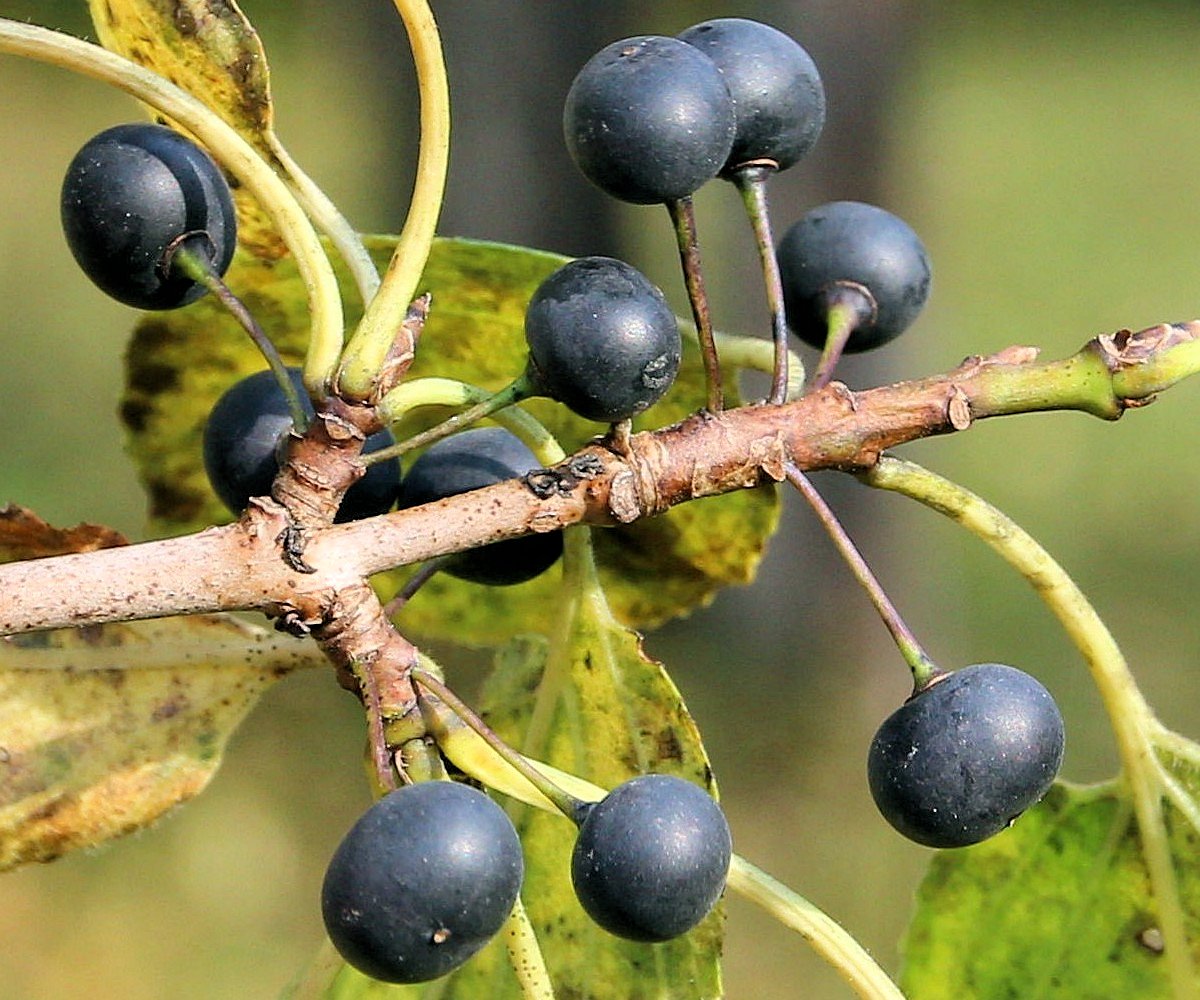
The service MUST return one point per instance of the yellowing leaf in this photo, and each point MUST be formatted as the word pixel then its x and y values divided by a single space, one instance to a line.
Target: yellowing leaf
pixel 1057 906
pixel 105 728
pixel 209 49
pixel 179 363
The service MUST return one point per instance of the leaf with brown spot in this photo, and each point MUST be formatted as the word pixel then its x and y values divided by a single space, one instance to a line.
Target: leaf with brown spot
pixel 105 728
pixel 209 49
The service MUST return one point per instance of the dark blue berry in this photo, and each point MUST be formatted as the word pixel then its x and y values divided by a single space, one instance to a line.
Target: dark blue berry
pixel 960 760
pixel 468 461
pixel 135 195
pixel 602 339
pixel 247 432
pixel 778 97
pixel 422 881
pixel 850 248
pixel 651 858
pixel 649 119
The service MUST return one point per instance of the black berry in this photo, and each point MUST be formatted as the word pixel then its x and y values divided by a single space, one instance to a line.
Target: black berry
pixel 849 248
pixel 649 119
pixel 422 881
pixel 468 461
pixel 959 761
pixel 778 97
pixel 248 429
pixel 132 197
pixel 602 339
pixel 651 858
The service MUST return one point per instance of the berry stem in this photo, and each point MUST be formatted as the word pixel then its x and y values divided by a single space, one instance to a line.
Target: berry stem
pixel 329 218
pixel 198 267
pixel 1133 722
pixel 924 670
pixel 427 685
pixel 831 941
pixel 751 181
pixel 849 306
pixel 397 402
pixel 683 219
pixel 368 348
pixel 414 583
pixel 230 149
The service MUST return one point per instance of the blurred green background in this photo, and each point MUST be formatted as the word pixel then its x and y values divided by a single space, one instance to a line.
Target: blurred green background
pixel 1047 156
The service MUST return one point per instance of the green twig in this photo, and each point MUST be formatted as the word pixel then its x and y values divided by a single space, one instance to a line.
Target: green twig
pixel 480 403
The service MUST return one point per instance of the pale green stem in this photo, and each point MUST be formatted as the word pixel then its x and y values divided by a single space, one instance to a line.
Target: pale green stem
pixel 329 219
pixel 828 938
pixel 525 955
pixel 751 181
pixel 435 391
pixel 758 355
pixel 233 152
pixel 368 347
pixel 578 580
pixel 849 306
pixel 1132 721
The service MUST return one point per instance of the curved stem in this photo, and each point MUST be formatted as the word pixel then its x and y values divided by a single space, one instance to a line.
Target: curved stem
pixel 445 732
pixel 480 404
pixel 199 268
pixel 758 355
pixel 1132 721
pixel 368 347
pixel 849 306
pixel 233 152
pixel 331 222
pixel 683 219
pixel 828 938
pixel 751 181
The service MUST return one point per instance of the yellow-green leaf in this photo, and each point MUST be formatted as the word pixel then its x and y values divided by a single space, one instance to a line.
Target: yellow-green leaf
pixel 209 49
pixel 179 363
pixel 1057 906
pixel 105 728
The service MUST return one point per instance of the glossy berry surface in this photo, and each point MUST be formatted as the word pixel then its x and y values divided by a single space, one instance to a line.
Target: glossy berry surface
pixel 131 196
pixel 468 461
pixel 422 881
pixel 778 97
pixel 852 243
pixel 958 762
pixel 649 119
pixel 602 339
pixel 651 858
pixel 246 433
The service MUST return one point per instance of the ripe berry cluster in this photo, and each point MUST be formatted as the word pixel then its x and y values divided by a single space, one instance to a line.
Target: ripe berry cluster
pixel 430 873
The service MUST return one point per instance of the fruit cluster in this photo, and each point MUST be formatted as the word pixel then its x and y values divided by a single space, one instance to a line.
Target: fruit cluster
pixel 432 871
